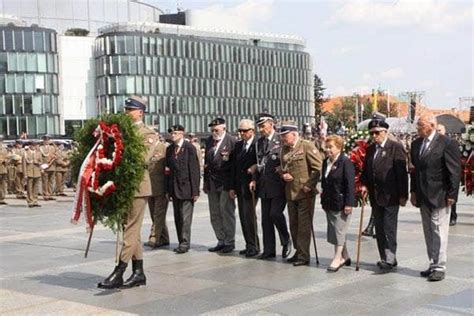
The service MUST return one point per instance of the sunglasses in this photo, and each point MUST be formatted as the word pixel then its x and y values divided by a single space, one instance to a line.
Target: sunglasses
pixel 244 130
pixel 375 133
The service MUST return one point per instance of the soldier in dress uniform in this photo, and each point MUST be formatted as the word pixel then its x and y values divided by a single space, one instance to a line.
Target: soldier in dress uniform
pixel 48 165
pixel 270 188
pixel 158 203
pixel 62 166
pixel 32 161
pixel 4 157
pixel 301 169
pixel 11 173
pixel 16 161
pixel 132 246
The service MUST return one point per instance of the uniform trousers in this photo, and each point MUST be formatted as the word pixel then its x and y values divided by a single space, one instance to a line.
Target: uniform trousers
pixel 19 187
pixel 3 184
pixel 132 245
pixel 222 213
pixel 47 183
pixel 32 188
pixel 158 206
pixel 183 217
pixel 60 175
pixel 300 213
pixel 273 216
pixel 248 222
pixel 436 230
pixel 386 222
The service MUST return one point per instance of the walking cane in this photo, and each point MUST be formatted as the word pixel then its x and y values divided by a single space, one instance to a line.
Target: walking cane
pixel 361 222
pixel 311 208
pixel 89 241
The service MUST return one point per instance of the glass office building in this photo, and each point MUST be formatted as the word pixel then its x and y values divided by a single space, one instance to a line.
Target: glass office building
pixel 190 77
pixel 28 81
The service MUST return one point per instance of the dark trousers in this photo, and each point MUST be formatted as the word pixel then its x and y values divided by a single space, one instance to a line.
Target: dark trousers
pixel 386 221
pixel 301 217
pixel 454 215
pixel 272 216
pixel 183 216
pixel 159 230
pixel 248 222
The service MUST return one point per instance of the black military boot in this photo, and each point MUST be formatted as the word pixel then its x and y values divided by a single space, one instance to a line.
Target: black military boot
pixel 138 276
pixel 369 230
pixel 115 280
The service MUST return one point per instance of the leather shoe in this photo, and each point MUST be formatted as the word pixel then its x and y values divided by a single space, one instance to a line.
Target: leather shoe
pixel 301 263
pixel 335 269
pixel 3 203
pixel 216 248
pixel 426 273
pixel 251 253
pixel 265 256
pixel 348 262
pixel 292 259
pixel 286 250
pixel 163 244
pixel 385 266
pixel 436 275
pixel 150 244
pixel 452 222
pixel 227 249
pixel 181 250
pixel 243 252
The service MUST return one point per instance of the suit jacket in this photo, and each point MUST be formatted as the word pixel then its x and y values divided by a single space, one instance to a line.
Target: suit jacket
pixel 218 165
pixel 386 177
pixel 182 181
pixel 339 186
pixel 242 160
pixel 157 170
pixel 269 181
pixel 303 162
pixel 437 172
pixel 150 139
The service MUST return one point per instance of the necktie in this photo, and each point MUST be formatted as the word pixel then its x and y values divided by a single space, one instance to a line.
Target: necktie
pixel 176 150
pixel 377 151
pixel 265 144
pixel 246 146
pixel 424 146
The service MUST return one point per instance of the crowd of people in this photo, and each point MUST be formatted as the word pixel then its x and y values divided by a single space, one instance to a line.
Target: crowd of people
pixel 282 169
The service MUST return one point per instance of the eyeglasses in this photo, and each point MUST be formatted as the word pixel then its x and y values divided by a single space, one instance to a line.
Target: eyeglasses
pixel 244 130
pixel 214 130
pixel 375 133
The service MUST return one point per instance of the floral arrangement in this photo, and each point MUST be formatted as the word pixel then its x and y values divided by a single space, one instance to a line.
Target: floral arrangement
pixel 467 159
pixel 356 147
pixel 110 150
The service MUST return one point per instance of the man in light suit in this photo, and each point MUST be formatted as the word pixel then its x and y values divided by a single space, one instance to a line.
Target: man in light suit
pixel 385 177
pixel 217 175
pixel 132 247
pixel 182 184
pixel 244 165
pixel 434 189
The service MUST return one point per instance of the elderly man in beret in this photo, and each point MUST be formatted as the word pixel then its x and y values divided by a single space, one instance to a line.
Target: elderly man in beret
pixel 132 247
pixel 217 175
pixel 301 170
pixel 182 184
pixel 385 177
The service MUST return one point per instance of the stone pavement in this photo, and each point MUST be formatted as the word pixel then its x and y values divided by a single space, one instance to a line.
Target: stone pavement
pixel 43 271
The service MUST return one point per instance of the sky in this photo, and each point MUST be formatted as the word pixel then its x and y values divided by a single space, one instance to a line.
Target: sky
pixel 357 46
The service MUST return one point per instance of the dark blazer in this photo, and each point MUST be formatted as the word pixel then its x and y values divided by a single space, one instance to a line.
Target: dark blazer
pixel 339 186
pixel 386 178
pixel 217 167
pixel 437 172
pixel 182 181
pixel 269 181
pixel 241 161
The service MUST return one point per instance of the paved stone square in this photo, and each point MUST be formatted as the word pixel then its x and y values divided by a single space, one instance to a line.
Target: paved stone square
pixel 43 271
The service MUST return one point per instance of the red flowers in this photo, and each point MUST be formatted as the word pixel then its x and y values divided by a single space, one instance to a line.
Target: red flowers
pixel 357 156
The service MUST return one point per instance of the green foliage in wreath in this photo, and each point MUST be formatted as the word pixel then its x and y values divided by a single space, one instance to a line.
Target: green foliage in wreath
pixel 112 210
pixel 350 141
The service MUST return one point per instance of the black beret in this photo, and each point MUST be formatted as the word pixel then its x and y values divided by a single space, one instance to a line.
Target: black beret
pixel 135 102
pixel 217 121
pixel 176 128
pixel 264 117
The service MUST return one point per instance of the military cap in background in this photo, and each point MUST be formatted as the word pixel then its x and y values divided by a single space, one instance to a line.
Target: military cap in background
pixel 136 103
pixel 264 117
pixel 176 128
pixel 288 126
pixel 217 121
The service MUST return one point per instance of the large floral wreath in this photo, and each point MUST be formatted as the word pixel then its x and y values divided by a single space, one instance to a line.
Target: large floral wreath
pixel 109 166
pixel 467 159
pixel 356 148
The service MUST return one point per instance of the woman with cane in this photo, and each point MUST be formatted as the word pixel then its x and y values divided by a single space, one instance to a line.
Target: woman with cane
pixel 337 199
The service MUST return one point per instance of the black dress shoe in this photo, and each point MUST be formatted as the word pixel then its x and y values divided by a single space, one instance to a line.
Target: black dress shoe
pixel 292 259
pixel 3 203
pixel 163 244
pixel 436 275
pixel 426 273
pixel 301 263
pixel 385 266
pixel 243 252
pixel 286 250
pixel 115 280
pixel 227 249
pixel 216 248
pixel 138 276
pixel 150 244
pixel 452 222
pixel 251 253
pixel 348 262
pixel 265 256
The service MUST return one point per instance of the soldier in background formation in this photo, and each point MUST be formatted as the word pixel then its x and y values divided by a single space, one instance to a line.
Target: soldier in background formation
pixel 16 161
pixel 3 170
pixel 49 156
pixel 32 160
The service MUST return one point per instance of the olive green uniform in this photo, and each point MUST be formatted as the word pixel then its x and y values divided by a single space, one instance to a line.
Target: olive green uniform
pixel 62 167
pixel 16 161
pixel 303 162
pixel 48 157
pixel 32 160
pixel 4 157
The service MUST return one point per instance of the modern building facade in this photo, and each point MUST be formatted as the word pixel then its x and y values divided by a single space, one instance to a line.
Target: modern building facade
pixel 189 76
pixel 28 81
